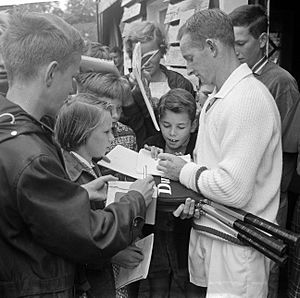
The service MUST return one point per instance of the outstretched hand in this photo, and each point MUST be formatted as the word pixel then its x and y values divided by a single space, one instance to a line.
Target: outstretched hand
pixel 171 165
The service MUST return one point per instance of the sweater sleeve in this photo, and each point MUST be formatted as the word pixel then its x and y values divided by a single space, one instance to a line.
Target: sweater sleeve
pixel 246 132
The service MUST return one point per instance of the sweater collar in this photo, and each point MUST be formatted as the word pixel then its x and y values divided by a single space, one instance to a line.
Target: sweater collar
pixel 235 77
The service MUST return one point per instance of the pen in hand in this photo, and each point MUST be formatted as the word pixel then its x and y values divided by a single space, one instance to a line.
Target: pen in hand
pixel 155 151
pixel 145 174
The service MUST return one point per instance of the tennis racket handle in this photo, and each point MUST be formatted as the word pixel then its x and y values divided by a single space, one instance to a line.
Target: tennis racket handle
pixel 272 228
pixel 280 260
pixel 274 245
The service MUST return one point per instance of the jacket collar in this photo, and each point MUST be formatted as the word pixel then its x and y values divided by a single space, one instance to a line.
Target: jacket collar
pixel 75 167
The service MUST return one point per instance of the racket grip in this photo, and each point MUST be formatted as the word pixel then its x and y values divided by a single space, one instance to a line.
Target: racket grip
pixel 272 228
pixel 280 260
pixel 274 245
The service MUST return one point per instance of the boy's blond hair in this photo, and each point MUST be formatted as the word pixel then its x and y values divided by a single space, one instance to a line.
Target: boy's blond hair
pixel 33 40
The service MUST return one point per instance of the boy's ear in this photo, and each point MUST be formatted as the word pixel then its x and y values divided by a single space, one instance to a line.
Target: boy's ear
pixel 263 39
pixel 194 125
pixel 50 72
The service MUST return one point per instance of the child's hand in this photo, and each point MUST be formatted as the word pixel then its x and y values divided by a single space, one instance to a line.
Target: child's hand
pixel 154 150
pixel 129 257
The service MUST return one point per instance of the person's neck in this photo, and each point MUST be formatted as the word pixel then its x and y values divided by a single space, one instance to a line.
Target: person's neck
pixel 27 97
pixel 259 61
pixel 229 63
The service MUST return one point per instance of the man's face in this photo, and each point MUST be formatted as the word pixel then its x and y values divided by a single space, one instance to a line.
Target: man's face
pixel 118 59
pixel 247 48
pixel 150 66
pixel 198 59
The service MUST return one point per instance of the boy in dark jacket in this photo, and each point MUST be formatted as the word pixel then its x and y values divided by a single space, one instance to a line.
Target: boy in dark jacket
pixel 46 223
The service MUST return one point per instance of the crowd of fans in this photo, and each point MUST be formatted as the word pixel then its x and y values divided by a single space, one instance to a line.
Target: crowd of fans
pixel 58 117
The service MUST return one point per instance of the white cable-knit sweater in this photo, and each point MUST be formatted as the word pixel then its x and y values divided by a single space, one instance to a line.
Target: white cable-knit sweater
pixel 239 141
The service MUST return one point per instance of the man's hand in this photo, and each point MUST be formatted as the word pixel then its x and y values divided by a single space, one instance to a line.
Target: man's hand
pixel 129 257
pixel 154 150
pixel 171 165
pixel 187 210
pixel 97 189
pixel 145 187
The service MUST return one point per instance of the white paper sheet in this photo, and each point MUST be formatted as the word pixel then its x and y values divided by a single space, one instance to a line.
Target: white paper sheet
pixel 122 160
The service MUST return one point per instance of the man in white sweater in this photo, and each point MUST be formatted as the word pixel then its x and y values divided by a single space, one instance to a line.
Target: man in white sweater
pixel 237 158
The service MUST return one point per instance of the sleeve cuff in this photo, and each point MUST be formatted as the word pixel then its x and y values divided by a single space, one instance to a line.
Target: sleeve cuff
pixel 187 175
pixel 190 174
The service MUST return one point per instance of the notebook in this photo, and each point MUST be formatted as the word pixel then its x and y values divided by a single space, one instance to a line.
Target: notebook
pixel 126 276
pixel 131 163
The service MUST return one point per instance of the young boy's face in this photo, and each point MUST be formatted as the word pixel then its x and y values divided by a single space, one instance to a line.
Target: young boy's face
pixel 248 48
pixel 176 129
pixel 116 108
